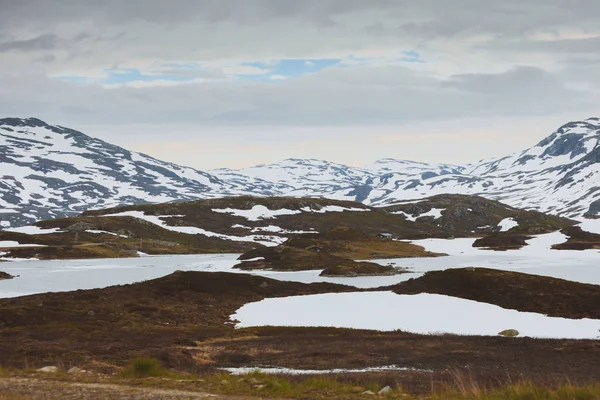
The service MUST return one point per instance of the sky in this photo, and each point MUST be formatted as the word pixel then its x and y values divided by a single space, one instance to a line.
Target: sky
pixel 233 83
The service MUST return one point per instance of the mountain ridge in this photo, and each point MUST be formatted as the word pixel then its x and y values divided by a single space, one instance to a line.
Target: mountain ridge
pixel 51 171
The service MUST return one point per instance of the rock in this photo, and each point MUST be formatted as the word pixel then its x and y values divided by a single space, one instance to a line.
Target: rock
pixel 80 227
pixel 264 285
pixel 368 393
pixel 91 313
pixel 255 381
pixel 224 382
pixel 259 387
pixel 385 390
pixel 509 333
pixel 4 275
pixel 76 370
pixel 48 370
pixel 125 232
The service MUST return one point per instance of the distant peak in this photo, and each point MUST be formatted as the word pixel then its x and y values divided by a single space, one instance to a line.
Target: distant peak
pixel 23 122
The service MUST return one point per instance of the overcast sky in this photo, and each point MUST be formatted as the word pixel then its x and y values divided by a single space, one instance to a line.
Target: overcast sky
pixel 231 83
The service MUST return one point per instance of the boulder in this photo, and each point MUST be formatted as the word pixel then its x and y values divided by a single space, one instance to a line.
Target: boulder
pixel 80 227
pixel 48 370
pixel 4 275
pixel 509 333
pixel 385 390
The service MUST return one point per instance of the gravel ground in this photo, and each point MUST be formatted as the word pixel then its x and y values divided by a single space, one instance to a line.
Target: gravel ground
pixel 26 388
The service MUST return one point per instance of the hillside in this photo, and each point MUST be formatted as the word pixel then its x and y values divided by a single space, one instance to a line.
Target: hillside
pixel 462 214
pixel 50 171
pixel 239 224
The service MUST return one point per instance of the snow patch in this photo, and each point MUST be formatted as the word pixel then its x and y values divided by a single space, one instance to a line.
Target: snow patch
pixel 434 212
pixel 10 243
pixel 192 230
pixel 257 212
pixel 97 232
pixel 327 209
pixel 33 230
pixel 291 371
pixel 507 224
pixel 421 313
pixel 590 225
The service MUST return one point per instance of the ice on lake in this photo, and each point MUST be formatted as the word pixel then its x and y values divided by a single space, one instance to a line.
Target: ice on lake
pixel 66 275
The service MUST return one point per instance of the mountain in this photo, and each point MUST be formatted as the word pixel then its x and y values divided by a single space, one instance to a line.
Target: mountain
pixel 559 175
pixel 49 171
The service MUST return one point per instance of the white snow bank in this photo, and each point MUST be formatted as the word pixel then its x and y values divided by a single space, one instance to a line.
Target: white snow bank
pixel 192 230
pixel 257 212
pixel 421 313
pixel 277 229
pixel 97 232
pixel 291 371
pixel 32 230
pixel 590 225
pixel 538 245
pixel 449 246
pixel 507 224
pixel 11 243
pixel 434 212
pixel 239 226
pixel 327 209
pixel 8 211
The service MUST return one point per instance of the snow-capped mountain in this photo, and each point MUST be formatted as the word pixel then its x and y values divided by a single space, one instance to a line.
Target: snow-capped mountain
pixel 560 175
pixel 51 171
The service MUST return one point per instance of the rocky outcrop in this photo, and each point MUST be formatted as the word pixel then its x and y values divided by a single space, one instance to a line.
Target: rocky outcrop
pixel 4 276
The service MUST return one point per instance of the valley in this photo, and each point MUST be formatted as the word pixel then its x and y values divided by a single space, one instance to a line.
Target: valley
pixel 399 274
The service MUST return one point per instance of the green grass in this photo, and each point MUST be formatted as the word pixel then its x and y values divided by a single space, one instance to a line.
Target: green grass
pixel 144 371
pixel 294 387
pixel 146 368
pixel 524 391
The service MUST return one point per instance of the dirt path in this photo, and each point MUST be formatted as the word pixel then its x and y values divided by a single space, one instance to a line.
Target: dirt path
pixel 34 389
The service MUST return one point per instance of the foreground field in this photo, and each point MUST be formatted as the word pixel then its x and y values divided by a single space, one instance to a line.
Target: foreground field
pixel 183 321
pixel 219 386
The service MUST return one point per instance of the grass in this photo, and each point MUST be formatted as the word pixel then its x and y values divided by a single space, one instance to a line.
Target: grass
pixel 146 368
pixel 465 387
pixel 462 386
pixel 143 372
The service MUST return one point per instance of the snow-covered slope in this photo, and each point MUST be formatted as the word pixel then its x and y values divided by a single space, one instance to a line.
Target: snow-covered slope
pixel 560 175
pixel 51 171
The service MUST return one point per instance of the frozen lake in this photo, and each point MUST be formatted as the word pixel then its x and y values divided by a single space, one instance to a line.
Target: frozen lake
pixel 64 275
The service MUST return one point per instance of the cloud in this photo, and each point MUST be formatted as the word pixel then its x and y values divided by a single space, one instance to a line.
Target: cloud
pixel 345 62
pixel 42 42
pixel 340 96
